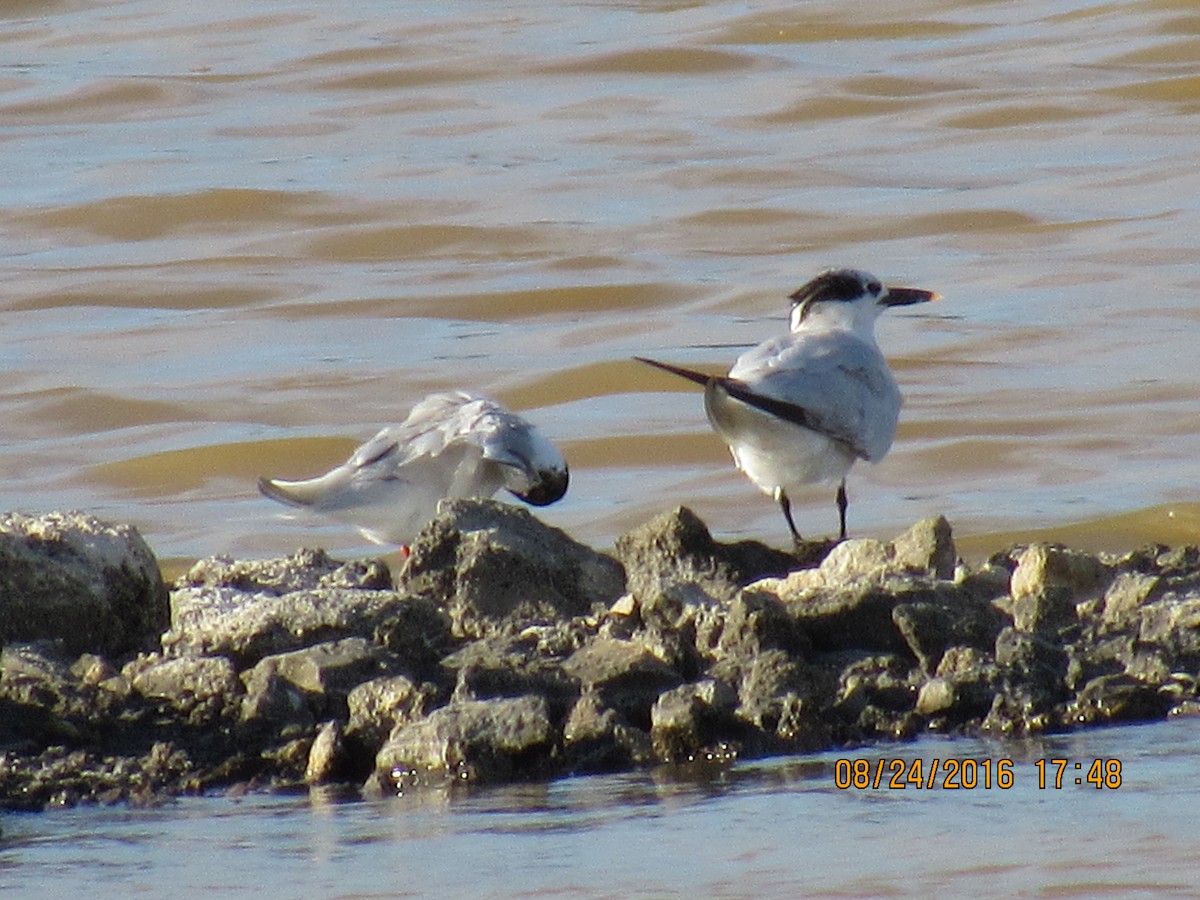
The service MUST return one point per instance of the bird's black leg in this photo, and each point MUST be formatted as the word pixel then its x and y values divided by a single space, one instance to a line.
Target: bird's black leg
pixel 786 505
pixel 842 503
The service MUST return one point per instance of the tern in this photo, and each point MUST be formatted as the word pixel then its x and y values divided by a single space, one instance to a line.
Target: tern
pixel 452 445
pixel 802 408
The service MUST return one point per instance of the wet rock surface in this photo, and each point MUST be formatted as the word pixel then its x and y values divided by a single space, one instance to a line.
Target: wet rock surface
pixel 504 650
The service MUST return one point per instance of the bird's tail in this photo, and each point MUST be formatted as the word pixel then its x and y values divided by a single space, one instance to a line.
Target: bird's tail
pixel 285 491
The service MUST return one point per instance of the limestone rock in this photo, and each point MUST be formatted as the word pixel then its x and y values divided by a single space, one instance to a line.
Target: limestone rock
pixel 326 673
pixel 92 585
pixel 858 617
pixel 470 742
pixel 1047 583
pixel 378 706
pixel 927 547
pixel 304 570
pixel 626 675
pixel 936 617
pixel 1117 698
pixel 511 666
pixel 1126 597
pixel 328 758
pixel 597 739
pixel 226 621
pixel 495 567
pixel 507 655
pixel 689 718
pixel 190 683
pixel 677 548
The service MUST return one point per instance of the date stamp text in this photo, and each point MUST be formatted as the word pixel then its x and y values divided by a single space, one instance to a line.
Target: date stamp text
pixel 895 774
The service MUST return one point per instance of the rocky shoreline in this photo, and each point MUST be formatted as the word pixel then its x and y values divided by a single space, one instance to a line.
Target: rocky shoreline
pixel 505 650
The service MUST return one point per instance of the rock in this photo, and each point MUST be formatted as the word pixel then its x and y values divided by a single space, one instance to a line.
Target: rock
pixel 625 605
pixel 686 720
pixel 1117 698
pixel 226 621
pixel 68 577
pixel 942 616
pixel 304 570
pixel 470 742
pixel 857 617
pixel 1103 656
pixel 936 697
pixel 596 739
pixel 755 621
pixel 511 667
pixel 625 675
pixel 273 705
pixel 43 702
pixel 416 631
pixel 378 706
pixel 62 777
pixel 1047 583
pixel 94 670
pixel 1172 626
pixel 325 674
pixel 927 547
pixel 495 567
pixel 676 548
pixel 779 699
pixel 962 689
pixel 1125 598
pixel 1032 689
pixel 875 684
pixel 1031 659
pixel 201 687
pixel 511 652
pixel 328 759
pixel 972 676
pixel 856 560
pixel 1043 610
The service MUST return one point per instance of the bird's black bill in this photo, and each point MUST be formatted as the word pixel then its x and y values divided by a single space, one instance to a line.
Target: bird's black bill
pixel 549 489
pixel 899 296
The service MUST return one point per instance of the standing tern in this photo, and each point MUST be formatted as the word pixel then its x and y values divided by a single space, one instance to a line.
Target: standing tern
pixel 452 445
pixel 803 407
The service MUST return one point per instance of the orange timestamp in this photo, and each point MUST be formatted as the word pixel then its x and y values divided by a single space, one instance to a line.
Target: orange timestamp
pixel 969 774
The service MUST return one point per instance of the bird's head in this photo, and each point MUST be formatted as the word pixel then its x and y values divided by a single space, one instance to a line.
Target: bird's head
pixel 849 298
pixel 532 468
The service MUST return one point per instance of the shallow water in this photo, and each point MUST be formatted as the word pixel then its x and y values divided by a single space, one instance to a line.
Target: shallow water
pixel 777 828
pixel 237 238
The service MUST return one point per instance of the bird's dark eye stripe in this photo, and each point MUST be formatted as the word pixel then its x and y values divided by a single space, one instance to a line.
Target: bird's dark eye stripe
pixel 875 287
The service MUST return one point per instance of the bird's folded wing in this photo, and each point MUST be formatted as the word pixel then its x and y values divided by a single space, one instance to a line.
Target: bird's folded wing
pixel 784 410
pixel 795 413
pixel 399 445
pixel 378 449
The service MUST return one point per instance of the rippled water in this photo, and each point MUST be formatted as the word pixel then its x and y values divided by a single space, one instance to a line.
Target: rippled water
pixel 779 828
pixel 238 237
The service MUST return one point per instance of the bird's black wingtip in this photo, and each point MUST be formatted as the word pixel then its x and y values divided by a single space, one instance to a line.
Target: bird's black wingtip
pixel 268 488
pixel 692 375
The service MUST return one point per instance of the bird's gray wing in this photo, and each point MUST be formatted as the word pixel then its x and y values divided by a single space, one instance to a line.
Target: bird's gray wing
pixel 433 424
pixel 841 384
pixel 719 388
